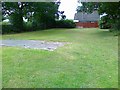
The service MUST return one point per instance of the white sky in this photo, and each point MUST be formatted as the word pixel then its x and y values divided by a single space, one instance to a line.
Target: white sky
pixel 69 6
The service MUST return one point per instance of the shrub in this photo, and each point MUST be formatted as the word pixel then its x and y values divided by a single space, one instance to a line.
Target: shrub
pixel 7 29
pixel 5 23
pixel 115 28
pixel 116 25
pixel 104 23
pixel 38 26
pixel 16 19
pixel 65 24
pixel 27 26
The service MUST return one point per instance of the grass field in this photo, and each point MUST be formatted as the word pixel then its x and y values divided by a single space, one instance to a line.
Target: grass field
pixel 90 61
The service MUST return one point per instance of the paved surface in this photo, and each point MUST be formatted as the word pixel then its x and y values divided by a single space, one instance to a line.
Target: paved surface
pixel 34 44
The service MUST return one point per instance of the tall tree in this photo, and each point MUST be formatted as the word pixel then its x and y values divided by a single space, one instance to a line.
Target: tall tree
pixel 40 13
pixel 16 12
pixel 44 13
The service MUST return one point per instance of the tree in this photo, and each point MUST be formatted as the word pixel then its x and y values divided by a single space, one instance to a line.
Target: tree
pixel 40 14
pixel 88 7
pixel 112 9
pixel 15 10
pixel 44 13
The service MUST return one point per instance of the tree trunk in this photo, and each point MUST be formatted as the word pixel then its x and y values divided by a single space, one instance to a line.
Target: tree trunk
pixel 21 27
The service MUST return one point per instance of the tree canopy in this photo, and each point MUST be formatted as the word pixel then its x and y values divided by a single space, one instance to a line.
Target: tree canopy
pixel 42 14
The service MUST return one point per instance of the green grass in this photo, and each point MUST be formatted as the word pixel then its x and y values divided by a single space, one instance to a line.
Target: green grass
pixel 90 61
pixel 0 66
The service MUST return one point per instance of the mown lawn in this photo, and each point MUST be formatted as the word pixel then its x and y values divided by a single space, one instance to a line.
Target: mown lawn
pixel 0 68
pixel 90 61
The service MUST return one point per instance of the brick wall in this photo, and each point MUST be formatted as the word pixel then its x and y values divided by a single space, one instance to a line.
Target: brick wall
pixel 87 24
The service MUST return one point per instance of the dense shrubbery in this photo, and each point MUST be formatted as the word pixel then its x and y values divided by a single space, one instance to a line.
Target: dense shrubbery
pixel 116 28
pixel 9 28
pixel 27 26
pixel 103 23
pixel 113 25
pixel 65 24
pixel 6 27
pixel 16 19
pixel 116 25
pixel 33 26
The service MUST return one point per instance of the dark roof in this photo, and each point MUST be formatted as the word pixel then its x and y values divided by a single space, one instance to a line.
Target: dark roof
pixel 85 17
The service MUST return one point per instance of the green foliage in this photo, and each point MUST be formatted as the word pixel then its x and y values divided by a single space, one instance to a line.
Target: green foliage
pixel 40 15
pixel 44 14
pixel 5 23
pixel 14 10
pixel 17 22
pixel 7 29
pixel 88 7
pixel 116 25
pixel 103 23
pixel 65 24
pixel 116 28
pixel 28 26
pixel 3 18
pixel 112 14
pixel 110 8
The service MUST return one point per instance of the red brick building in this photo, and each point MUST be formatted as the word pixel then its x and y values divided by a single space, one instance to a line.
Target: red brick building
pixel 87 24
pixel 86 20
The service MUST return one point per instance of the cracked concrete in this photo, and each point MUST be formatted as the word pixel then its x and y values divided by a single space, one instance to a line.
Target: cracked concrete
pixel 33 44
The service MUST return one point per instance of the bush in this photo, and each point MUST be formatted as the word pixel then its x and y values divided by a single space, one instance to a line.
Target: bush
pixel 7 29
pixel 116 25
pixel 27 26
pixel 5 23
pixel 115 28
pixel 16 20
pixel 38 26
pixel 33 26
pixel 104 23
pixel 65 24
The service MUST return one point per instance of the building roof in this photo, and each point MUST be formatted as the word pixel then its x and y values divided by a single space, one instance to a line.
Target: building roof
pixel 85 17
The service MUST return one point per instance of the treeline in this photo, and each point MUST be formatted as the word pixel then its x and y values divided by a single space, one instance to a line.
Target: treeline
pixel 31 16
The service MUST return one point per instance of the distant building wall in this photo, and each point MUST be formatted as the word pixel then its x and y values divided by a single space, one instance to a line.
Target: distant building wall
pixel 87 20
pixel 87 24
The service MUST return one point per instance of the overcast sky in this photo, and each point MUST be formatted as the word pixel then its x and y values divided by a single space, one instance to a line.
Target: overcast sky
pixel 69 6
